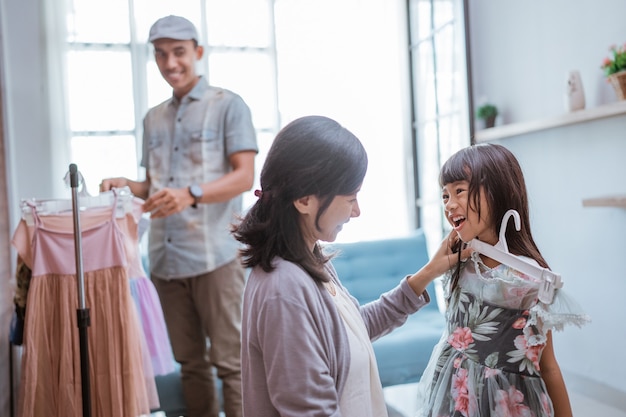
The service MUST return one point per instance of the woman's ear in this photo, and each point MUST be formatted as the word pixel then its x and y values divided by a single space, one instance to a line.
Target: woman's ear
pixel 306 205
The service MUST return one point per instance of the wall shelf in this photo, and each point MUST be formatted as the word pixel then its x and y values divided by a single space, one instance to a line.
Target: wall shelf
pixel 515 129
pixel 609 201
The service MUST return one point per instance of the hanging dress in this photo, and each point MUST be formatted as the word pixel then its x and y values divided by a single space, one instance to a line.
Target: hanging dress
pixel 487 362
pixel 145 297
pixel 50 382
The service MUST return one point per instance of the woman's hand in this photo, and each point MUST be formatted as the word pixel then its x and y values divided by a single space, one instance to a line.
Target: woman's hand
pixel 442 261
pixel 447 255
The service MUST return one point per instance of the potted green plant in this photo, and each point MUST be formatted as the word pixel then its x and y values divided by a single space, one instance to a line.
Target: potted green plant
pixel 488 113
pixel 615 69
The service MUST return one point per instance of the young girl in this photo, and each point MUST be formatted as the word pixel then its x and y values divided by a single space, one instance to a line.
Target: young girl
pixel 496 356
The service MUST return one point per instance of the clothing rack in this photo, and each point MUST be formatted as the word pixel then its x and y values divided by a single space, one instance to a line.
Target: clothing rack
pixel 101 231
pixel 82 313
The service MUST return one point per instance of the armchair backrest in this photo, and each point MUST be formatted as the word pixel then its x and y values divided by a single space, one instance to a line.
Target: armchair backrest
pixel 369 268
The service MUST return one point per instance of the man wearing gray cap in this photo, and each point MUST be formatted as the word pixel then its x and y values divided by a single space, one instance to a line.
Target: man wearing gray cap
pixel 198 150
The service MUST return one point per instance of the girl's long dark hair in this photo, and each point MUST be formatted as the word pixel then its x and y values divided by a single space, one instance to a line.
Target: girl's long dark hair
pixel 312 155
pixel 492 169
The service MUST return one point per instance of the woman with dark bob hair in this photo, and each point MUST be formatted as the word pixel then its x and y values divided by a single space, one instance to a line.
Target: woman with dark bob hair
pixel 306 342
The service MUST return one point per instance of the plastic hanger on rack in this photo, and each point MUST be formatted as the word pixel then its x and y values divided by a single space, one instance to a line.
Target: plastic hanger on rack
pixel 122 195
pixel 58 206
pixel 500 252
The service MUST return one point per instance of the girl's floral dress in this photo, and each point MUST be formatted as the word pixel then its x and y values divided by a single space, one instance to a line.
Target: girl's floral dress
pixel 487 362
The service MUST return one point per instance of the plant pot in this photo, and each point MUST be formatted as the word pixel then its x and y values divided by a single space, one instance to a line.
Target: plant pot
pixel 489 122
pixel 618 81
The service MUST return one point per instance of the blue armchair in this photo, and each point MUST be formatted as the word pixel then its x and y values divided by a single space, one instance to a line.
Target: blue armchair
pixel 368 269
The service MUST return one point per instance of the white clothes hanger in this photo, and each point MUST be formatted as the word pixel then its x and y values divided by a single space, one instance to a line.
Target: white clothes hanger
pixel 550 280
pixel 58 206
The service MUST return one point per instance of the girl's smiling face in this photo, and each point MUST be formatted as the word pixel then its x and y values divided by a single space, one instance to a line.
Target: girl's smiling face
pixel 463 216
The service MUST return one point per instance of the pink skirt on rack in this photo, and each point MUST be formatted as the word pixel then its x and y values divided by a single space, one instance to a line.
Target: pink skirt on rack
pixel 51 367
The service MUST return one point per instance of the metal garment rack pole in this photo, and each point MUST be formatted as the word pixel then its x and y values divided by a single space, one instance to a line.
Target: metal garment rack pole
pixel 82 313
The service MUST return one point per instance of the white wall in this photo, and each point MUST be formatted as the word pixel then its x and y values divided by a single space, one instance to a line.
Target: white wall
pixel 521 52
pixel 584 244
pixel 31 167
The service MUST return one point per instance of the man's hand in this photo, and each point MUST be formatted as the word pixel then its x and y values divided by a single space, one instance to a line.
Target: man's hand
pixel 168 201
pixel 109 183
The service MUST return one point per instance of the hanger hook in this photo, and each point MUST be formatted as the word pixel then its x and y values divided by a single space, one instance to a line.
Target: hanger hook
pixel 505 220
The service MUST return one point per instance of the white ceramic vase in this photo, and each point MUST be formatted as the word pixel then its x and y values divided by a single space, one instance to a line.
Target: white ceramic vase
pixel 574 95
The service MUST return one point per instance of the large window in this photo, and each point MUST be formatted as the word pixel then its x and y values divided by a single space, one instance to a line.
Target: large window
pixel 440 100
pixel 287 58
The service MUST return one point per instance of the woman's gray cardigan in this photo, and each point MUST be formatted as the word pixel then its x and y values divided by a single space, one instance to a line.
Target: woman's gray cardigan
pixel 295 351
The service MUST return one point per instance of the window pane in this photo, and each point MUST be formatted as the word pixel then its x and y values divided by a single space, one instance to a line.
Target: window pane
pixel 100 90
pixel 446 77
pixel 420 20
pixel 428 165
pixel 424 80
pixel 239 22
pixel 428 146
pixel 452 136
pixel 323 69
pixel 98 21
pixel 444 13
pixel 148 11
pixel 249 74
pixel 99 157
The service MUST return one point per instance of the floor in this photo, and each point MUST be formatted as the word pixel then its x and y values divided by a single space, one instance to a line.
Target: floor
pixel 401 402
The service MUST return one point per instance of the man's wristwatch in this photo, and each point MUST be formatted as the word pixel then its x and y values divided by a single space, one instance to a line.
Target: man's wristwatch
pixel 196 192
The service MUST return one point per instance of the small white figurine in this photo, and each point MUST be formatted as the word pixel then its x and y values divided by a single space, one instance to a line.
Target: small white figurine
pixel 575 96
